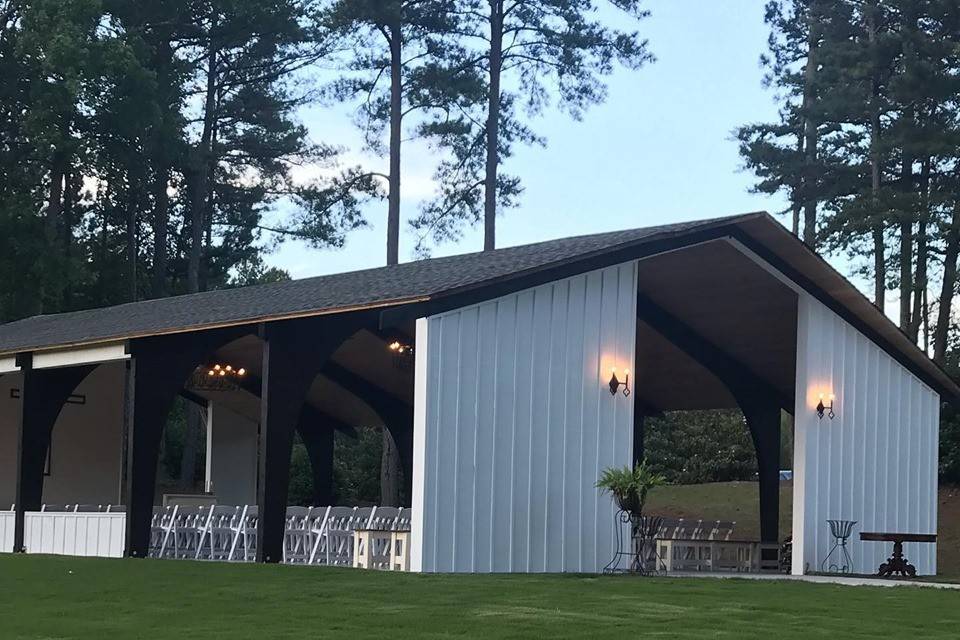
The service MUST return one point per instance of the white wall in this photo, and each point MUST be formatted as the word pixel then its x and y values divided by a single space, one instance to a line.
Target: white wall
pixel 231 456
pixel 876 461
pixel 86 446
pixel 75 534
pixel 7 523
pixel 514 422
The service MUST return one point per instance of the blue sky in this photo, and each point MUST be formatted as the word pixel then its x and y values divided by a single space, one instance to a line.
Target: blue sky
pixel 658 151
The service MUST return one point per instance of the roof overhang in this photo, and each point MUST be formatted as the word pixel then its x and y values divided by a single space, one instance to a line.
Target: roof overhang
pixel 758 234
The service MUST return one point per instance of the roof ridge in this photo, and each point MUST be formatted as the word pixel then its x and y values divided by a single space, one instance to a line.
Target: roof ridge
pixel 457 256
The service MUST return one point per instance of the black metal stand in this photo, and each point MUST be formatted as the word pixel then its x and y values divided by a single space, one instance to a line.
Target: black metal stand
pixel 643 531
pixel 897 564
pixel 840 530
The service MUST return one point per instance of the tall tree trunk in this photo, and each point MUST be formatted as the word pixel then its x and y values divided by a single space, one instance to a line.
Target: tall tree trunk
pixel 198 221
pixel 396 115
pixel 51 293
pixel 161 161
pixel 906 179
pixel 200 168
pixel 941 331
pixel 796 196
pixel 191 442
pixel 70 189
pixel 389 457
pixel 55 203
pixel 810 130
pixel 389 471
pixel 879 248
pixel 879 266
pixel 130 239
pixel 906 269
pixel 161 218
pixel 493 127
pixel 920 280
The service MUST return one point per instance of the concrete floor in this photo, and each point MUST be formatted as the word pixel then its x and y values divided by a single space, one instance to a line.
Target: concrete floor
pixel 851 581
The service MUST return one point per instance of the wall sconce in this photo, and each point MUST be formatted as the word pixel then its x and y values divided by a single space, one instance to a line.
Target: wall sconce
pixel 615 383
pixel 821 408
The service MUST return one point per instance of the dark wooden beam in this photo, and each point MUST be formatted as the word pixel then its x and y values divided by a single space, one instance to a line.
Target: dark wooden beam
pixel 43 393
pixel 158 368
pixel 734 374
pixel 252 384
pixel 396 413
pixel 293 353
pixel 760 402
pixel 196 399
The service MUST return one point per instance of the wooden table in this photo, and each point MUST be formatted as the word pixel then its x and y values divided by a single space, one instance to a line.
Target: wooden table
pixel 897 564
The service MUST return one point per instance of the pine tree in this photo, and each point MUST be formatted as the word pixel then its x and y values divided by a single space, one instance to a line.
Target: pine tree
pixel 533 53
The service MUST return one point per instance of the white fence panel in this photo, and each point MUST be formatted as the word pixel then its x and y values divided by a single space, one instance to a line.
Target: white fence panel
pixel 75 534
pixel 7 520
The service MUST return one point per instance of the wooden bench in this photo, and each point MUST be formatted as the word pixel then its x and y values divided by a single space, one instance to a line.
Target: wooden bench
pixel 896 563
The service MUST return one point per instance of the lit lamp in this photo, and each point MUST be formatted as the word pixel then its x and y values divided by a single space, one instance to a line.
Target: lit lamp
pixel 615 382
pixel 828 409
pixel 402 355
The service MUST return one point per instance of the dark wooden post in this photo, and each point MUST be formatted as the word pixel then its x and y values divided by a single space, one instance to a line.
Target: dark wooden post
pixel 763 419
pixel 156 372
pixel 639 432
pixel 43 392
pixel 401 430
pixel 293 353
pixel 318 440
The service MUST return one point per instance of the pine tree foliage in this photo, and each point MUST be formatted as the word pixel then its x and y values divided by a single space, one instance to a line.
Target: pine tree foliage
pixel 866 148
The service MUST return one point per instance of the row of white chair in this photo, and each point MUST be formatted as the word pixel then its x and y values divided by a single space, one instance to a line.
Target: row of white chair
pixel 79 508
pixel 684 529
pixel 313 535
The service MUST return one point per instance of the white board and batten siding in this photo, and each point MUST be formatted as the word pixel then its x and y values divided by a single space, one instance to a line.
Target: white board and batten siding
pixel 74 534
pixel 7 522
pixel 514 422
pixel 876 461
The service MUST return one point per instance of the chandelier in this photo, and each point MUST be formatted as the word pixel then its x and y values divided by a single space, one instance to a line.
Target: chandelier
pixel 402 355
pixel 218 377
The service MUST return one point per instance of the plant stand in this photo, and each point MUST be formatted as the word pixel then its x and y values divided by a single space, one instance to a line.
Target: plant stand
pixel 840 530
pixel 642 533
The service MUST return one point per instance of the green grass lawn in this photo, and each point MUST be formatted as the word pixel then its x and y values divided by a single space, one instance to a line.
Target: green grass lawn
pixel 58 597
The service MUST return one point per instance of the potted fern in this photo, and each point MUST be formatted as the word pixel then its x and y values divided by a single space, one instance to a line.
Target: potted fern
pixel 629 487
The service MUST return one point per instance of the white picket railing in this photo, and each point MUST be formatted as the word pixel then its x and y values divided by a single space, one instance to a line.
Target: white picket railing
pixel 7 520
pixel 74 534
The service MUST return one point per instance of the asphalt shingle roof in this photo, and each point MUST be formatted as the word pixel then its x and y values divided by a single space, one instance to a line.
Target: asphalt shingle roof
pixel 405 282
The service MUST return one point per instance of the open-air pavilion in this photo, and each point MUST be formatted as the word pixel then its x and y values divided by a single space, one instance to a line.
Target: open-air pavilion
pixel 492 373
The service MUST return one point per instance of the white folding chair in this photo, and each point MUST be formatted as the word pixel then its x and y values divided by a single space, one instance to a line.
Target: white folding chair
pixel 188 525
pixel 318 530
pixel 218 533
pixel 403 519
pixel 296 535
pixel 336 537
pixel 162 530
pixel 245 535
